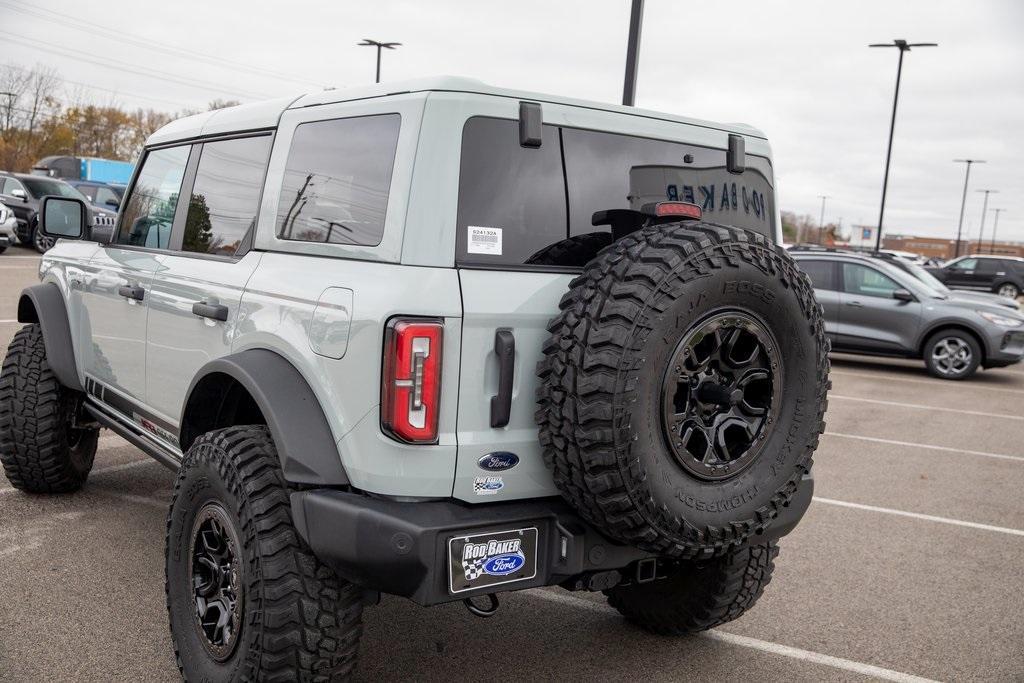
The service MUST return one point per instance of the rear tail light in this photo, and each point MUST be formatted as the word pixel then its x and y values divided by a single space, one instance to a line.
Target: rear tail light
pixel 412 379
pixel 678 209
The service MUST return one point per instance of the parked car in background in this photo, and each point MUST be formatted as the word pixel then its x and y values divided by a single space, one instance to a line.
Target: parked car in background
pixel 8 228
pixel 22 193
pixel 1003 275
pixel 922 274
pixel 106 196
pixel 874 307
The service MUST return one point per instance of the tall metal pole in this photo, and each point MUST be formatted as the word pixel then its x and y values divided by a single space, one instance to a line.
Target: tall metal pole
pixel 992 244
pixel 821 222
pixel 379 48
pixel 903 46
pixel 368 42
pixel 633 53
pixel 984 210
pixel 963 202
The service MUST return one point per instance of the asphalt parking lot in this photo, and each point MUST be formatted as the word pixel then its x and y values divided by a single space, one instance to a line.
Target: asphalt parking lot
pixel 908 564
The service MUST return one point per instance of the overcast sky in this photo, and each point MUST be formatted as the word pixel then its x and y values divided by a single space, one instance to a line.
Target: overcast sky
pixel 800 71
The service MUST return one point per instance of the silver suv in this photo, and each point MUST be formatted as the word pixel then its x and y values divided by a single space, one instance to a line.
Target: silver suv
pixel 437 340
pixel 874 307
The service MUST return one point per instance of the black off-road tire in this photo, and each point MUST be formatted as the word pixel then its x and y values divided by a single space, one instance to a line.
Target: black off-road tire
pixel 610 347
pixel 701 595
pixel 298 620
pixel 40 448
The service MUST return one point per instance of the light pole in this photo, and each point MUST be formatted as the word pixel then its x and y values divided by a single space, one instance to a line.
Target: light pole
pixel 992 244
pixel 821 222
pixel 984 210
pixel 963 202
pixel 903 46
pixel 380 46
pixel 636 16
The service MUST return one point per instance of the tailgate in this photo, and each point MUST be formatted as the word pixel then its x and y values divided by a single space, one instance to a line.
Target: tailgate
pixel 522 303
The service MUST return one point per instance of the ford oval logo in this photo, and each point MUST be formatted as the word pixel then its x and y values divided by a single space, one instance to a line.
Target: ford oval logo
pixel 503 565
pixel 498 461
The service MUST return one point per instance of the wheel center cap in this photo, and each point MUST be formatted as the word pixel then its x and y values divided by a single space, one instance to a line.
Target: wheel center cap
pixel 719 394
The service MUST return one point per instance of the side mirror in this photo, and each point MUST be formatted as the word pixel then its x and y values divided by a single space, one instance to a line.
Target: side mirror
pixel 63 217
pixel 903 295
pixel 20 194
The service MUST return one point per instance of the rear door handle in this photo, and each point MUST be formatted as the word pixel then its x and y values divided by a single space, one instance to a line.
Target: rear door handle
pixel 130 292
pixel 211 311
pixel 505 349
pixel 855 304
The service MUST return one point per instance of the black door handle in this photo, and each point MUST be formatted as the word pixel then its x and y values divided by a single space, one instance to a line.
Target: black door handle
pixel 505 349
pixel 211 311
pixel 129 292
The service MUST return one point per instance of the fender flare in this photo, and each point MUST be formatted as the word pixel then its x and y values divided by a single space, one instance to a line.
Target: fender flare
pixel 301 433
pixel 955 323
pixel 44 304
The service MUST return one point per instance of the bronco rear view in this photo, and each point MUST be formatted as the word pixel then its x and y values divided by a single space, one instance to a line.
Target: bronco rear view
pixel 436 340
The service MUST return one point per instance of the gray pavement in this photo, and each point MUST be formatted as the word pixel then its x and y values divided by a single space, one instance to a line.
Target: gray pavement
pixel 859 593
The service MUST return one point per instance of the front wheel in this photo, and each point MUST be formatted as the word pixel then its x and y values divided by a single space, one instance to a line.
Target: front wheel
pixel 952 354
pixel 699 595
pixel 247 599
pixel 43 448
pixel 1009 290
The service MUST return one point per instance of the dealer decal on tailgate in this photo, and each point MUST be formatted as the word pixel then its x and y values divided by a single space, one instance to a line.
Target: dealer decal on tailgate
pixel 491 559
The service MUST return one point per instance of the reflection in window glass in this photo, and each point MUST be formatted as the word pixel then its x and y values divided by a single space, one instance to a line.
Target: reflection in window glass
pixel 337 179
pixel 149 212
pixel 859 279
pixel 226 194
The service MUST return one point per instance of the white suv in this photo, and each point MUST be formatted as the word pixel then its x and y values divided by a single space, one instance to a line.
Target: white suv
pixel 433 339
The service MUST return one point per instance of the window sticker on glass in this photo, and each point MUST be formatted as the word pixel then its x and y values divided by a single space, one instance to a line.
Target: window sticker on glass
pixel 483 240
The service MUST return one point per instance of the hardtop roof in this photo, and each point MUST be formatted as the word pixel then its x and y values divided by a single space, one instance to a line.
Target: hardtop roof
pixel 265 114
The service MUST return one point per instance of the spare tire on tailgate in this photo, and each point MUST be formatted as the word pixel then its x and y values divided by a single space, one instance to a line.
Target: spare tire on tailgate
pixel 683 388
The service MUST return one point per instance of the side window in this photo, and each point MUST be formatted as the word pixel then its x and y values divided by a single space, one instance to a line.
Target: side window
pixel 226 195
pixel 89 191
pixel 149 212
pixel 858 279
pixel 822 273
pixel 989 266
pixel 965 264
pixel 337 180
pixel 106 197
pixel 511 198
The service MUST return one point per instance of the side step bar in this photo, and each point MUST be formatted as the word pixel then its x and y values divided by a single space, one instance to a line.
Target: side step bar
pixel 135 436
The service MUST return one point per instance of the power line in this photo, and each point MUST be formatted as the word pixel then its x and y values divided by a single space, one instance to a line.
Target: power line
pixel 125 66
pixel 176 103
pixel 149 44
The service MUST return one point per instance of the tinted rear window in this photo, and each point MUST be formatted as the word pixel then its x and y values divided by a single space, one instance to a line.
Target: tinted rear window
pixel 526 206
pixel 822 273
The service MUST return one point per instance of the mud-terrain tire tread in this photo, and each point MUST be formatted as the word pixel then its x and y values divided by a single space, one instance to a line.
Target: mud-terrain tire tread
pixel 309 618
pixel 35 416
pixel 706 595
pixel 584 424
pixel 574 251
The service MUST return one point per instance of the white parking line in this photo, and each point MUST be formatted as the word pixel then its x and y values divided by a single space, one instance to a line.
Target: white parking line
pixel 9 321
pixel 753 643
pixel 919 406
pixel 918 515
pixel 933 382
pixel 132 498
pixel 911 444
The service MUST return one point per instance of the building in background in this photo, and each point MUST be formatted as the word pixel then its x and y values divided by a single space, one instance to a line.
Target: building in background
pixel 937 247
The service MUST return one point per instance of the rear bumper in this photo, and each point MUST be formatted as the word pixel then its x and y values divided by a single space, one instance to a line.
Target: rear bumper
pixel 401 548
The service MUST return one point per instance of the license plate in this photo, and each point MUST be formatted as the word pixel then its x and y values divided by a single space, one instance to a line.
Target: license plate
pixel 484 560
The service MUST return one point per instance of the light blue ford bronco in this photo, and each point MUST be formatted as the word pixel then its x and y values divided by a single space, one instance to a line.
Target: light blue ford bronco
pixel 433 339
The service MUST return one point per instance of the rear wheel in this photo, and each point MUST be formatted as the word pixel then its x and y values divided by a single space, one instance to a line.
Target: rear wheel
pixel 952 354
pixel 699 595
pixel 41 241
pixel 42 447
pixel 1009 290
pixel 247 599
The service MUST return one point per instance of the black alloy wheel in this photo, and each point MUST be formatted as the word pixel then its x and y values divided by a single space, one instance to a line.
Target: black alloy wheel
pixel 719 394
pixel 216 586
